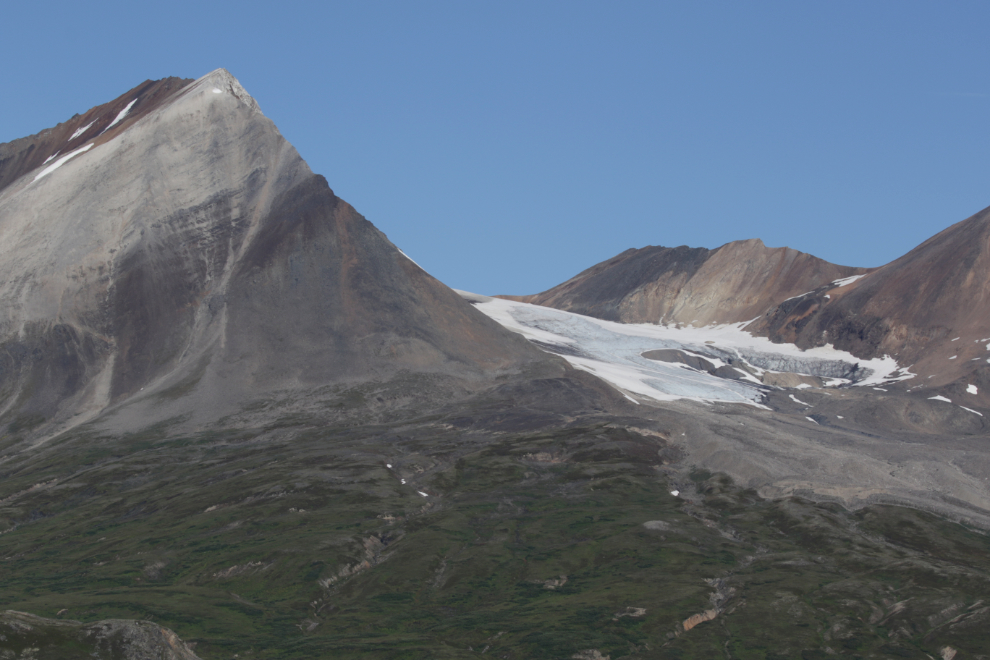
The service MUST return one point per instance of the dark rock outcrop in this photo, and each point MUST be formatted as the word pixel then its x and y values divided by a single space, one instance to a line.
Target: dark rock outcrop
pixel 24 635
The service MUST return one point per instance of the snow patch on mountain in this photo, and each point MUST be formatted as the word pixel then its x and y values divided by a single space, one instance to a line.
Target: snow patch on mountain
pixel 410 259
pixel 120 116
pixel 80 131
pixel 847 280
pixel 61 161
pixel 613 351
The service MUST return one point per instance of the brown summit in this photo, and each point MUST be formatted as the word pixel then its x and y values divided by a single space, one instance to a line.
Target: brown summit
pixel 735 282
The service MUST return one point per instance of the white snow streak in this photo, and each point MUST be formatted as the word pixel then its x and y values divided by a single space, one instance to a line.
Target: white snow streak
pixel 410 259
pixel 796 297
pixel 812 421
pixel 971 410
pixel 80 131
pixel 613 352
pixel 847 280
pixel 939 398
pixel 797 400
pixel 120 116
pixel 58 163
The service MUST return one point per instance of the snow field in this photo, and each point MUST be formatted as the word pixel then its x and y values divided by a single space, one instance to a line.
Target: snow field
pixel 614 352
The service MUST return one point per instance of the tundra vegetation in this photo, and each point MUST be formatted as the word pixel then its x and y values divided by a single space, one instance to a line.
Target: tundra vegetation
pixel 439 537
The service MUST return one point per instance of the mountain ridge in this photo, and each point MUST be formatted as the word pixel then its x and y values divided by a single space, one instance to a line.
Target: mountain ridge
pixel 930 307
pixel 230 405
pixel 732 283
pixel 98 124
pixel 128 270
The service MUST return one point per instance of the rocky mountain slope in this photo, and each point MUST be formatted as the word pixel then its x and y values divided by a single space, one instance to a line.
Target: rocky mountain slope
pixel 185 260
pixel 930 308
pixel 231 408
pixel 736 282
pixel 97 125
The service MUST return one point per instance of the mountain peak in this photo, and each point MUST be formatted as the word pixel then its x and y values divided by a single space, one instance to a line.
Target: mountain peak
pixel 220 81
pixel 187 249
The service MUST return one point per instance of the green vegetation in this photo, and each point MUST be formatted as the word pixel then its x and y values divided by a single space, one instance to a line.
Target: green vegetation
pixel 298 542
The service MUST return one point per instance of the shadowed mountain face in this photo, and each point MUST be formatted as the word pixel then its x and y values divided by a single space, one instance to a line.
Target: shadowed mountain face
pixel 190 250
pixel 736 282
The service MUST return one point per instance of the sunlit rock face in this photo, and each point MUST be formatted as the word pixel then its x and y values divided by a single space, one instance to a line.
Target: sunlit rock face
pixel 176 242
pixel 929 309
pixel 736 282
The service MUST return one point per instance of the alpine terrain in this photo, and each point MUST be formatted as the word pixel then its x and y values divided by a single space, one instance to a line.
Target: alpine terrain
pixel 237 421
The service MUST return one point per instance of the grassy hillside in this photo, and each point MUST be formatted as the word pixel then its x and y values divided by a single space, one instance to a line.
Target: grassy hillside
pixel 552 540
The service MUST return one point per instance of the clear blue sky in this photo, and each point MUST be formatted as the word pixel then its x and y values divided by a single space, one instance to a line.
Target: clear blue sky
pixel 506 146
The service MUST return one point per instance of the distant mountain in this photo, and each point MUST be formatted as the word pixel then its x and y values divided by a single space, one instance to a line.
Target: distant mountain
pixel 172 246
pixel 929 308
pixel 732 283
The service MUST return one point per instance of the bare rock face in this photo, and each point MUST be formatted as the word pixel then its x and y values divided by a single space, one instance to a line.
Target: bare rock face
pixel 929 308
pixel 736 282
pixel 97 125
pixel 24 635
pixel 189 249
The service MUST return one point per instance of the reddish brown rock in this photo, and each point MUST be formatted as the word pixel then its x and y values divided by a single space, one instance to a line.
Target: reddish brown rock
pixel 736 282
pixel 929 308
